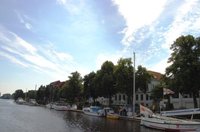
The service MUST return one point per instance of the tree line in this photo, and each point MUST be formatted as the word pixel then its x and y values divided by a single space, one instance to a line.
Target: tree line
pixel 106 82
pixel 181 76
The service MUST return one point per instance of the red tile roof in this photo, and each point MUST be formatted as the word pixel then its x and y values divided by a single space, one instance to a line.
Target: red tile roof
pixel 156 75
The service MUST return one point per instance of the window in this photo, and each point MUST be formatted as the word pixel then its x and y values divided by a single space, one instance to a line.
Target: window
pixel 147 97
pixel 124 97
pixel 120 97
pixel 136 96
pixel 141 96
pixel 115 97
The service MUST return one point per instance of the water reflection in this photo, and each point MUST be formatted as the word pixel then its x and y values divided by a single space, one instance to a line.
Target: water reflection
pixel 96 124
pixel 22 118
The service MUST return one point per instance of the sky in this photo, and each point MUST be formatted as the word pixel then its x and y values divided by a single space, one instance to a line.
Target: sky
pixel 42 41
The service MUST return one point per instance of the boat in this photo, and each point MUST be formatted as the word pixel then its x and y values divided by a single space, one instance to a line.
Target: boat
pixel 159 122
pixel 110 114
pixel 20 101
pixel 61 107
pixel 181 112
pixel 32 102
pixel 169 124
pixel 94 111
pixel 49 105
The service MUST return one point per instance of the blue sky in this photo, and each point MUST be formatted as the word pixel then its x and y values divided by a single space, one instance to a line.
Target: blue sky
pixel 44 41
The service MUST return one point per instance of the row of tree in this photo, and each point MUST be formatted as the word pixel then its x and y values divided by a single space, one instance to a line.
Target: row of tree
pixel 182 76
pixel 106 82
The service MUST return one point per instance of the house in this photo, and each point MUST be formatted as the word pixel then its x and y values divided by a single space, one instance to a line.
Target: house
pixel 121 99
pixel 57 84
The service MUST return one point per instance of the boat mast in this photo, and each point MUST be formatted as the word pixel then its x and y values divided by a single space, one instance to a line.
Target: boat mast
pixel 133 83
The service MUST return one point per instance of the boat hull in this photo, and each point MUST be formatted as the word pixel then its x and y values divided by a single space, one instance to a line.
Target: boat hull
pixel 93 111
pixel 60 108
pixel 173 125
pixel 112 116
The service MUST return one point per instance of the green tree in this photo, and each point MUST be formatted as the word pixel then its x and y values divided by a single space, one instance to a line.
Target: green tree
pixel 74 88
pixel 41 95
pixel 123 74
pixel 89 85
pixel 31 94
pixel 107 79
pixel 19 94
pixel 142 78
pixel 157 93
pixel 184 71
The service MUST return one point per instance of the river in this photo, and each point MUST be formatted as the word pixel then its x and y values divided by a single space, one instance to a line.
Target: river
pixel 22 118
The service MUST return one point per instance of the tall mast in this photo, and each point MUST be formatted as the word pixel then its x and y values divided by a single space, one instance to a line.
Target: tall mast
pixel 133 83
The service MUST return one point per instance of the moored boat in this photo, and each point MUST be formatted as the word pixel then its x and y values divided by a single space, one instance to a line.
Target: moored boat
pixel 93 111
pixel 20 101
pixel 61 106
pixel 110 114
pixel 166 123
pixel 169 124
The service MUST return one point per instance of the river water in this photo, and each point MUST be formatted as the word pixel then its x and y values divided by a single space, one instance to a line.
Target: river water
pixel 22 118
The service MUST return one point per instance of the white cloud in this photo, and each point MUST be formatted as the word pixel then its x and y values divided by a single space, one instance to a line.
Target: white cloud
pixel 72 6
pixel 186 20
pixel 101 58
pixel 46 60
pixel 13 59
pixel 137 14
pixel 25 20
pixel 62 2
pixel 160 66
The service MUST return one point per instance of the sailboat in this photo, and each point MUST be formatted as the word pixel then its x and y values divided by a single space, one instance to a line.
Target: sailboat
pixel 151 120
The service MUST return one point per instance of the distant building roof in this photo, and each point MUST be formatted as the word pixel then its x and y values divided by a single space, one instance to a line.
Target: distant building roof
pixel 57 84
pixel 156 75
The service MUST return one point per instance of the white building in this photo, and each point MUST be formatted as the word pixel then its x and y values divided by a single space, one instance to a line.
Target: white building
pixel 185 101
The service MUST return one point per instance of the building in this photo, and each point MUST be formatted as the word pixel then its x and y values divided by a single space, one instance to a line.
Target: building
pixel 57 84
pixel 180 101
pixel 6 96
pixel 121 99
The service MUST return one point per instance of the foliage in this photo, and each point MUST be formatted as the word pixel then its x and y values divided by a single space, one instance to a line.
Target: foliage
pixel 157 93
pixel 31 94
pixel 74 87
pixel 106 80
pixel 142 78
pixel 19 94
pixel 89 85
pixel 123 74
pixel 184 71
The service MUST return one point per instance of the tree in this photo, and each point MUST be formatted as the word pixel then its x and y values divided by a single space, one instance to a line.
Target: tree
pixel 19 94
pixel 31 94
pixel 89 85
pixel 184 71
pixel 157 93
pixel 74 88
pixel 142 78
pixel 123 74
pixel 40 95
pixel 107 80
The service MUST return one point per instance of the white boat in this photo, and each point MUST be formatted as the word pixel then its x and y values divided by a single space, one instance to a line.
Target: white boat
pixel 170 124
pixel 93 111
pixel 20 101
pixel 166 123
pixel 49 105
pixel 61 107
pixel 181 112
